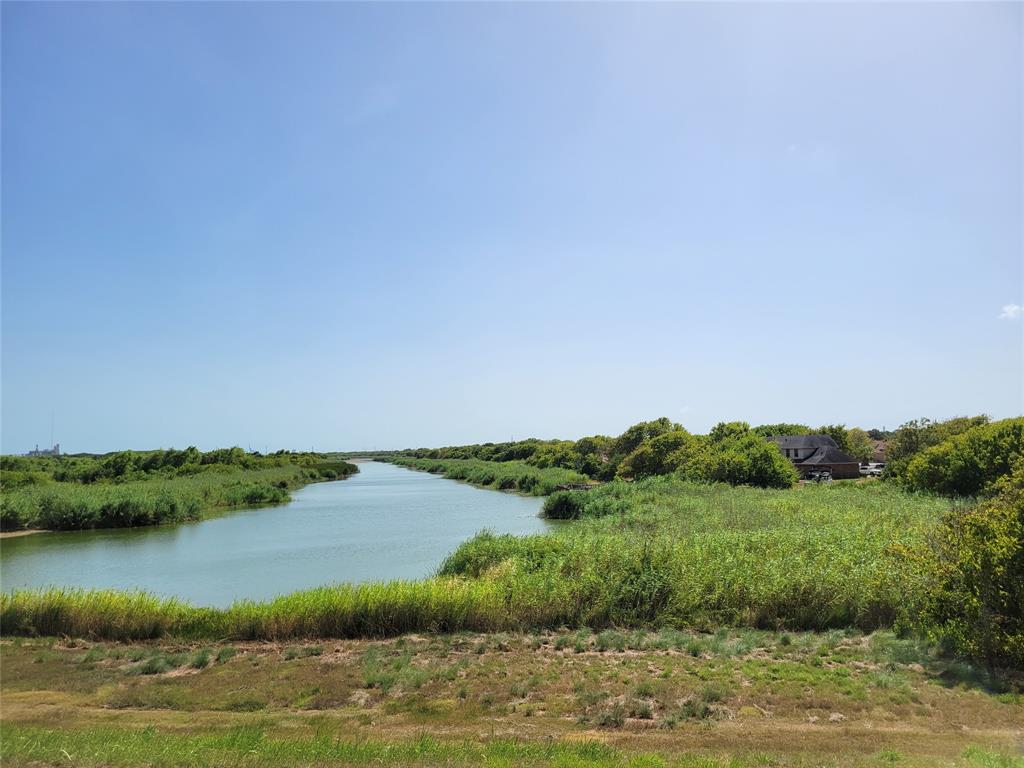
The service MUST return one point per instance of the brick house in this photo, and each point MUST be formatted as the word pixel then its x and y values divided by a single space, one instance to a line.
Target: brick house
pixel 817 452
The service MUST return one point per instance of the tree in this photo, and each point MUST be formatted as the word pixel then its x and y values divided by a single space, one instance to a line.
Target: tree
pixel 593 455
pixel 560 454
pixel 661 455
pixel 630 440
pixel 859 444
pixel 970 463
pixel 724 430
pixel 919 434
pixel 838 433
pixel 742 459
pixel 775 430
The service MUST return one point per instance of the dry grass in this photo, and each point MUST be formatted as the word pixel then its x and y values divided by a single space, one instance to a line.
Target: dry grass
pixel 750 697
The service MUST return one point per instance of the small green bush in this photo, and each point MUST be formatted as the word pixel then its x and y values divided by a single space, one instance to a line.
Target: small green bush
pixel 564 505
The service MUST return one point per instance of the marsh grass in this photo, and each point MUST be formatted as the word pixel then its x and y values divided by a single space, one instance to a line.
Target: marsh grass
pixel 676 556
pixel 74 506
pixel 499 475
pixel 152 499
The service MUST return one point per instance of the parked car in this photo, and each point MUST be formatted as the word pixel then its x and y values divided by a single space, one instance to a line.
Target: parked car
pixel 871 470
pixel 819 476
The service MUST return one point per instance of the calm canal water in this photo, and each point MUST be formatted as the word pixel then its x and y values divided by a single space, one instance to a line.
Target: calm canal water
pixel 384 523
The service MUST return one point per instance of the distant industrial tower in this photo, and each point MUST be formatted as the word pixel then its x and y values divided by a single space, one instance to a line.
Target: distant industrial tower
pixel 55 451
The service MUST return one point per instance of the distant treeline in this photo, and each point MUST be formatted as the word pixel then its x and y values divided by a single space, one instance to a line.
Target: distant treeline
pixel 124 466
pixel 733 453
pixel 503 476
pixel 738 454
pixel 134 488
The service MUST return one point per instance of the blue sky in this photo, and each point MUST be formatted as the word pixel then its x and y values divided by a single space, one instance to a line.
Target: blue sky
pixel 352 226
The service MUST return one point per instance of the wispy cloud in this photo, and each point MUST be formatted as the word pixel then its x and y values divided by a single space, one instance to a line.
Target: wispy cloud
pixel 1011 312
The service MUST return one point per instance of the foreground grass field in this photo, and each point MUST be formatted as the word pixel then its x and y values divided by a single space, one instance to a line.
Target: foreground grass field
pixel 568 698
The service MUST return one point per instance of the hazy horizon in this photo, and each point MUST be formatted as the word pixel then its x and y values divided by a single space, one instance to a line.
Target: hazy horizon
pixel 360 226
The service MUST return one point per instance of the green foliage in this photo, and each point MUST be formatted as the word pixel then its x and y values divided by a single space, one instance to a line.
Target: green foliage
pixel 156 497
pixel 564 505
pixel 772 430
pixel 741 458
pixel 859 444
pixel 731 453
pixel 502 476
pixel 637 434
pixel 917 435
pixel 13 479
pixel 661 455
pixel 969 463
pixel 728 430
pixel 838 433
pixel 972 576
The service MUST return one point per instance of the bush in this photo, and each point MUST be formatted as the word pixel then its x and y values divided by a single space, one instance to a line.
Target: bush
pixel 970 463
pixel 920 434
pixel 503 476
pixel 564 505
pixel 974 576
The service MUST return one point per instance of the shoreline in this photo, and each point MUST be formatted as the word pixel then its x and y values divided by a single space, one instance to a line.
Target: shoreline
pixel 204 513
pixel 26 532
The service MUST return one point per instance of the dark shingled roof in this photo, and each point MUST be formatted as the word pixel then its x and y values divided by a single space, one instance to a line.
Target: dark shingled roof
pixel 804 442
pixel 829 455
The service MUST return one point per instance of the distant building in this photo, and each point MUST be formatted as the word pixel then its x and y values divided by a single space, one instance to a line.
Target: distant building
pixel 55 451
pixel 878 448
pixel 817 452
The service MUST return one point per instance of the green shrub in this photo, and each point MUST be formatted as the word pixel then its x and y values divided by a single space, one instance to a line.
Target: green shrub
pixel 973 576
pixel 564 505
pixel 502 476
pixel 969 463
pixel 918 435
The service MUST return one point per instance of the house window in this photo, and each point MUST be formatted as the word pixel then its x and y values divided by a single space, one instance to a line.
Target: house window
pixel 796 454
pixel 787 453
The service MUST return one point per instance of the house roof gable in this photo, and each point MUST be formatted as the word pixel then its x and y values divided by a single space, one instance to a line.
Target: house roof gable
pixel 804 442
pixel 829 455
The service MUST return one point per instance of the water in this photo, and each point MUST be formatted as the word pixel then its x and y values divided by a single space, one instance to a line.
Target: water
pixel 384 523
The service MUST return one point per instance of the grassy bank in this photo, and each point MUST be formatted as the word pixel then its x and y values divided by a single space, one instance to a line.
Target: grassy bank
pixel 153 498
pixel 500 476
pixel 738 699
pixel 661 552
pixel 664 551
